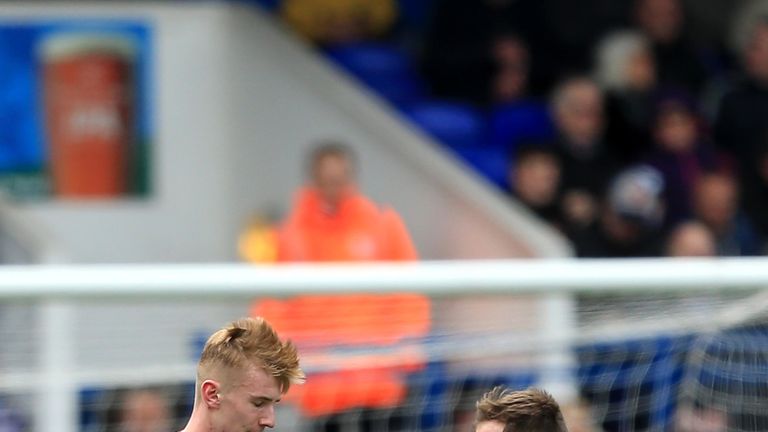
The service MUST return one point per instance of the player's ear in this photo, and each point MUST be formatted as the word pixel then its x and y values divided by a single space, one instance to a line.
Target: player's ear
pixel 210 391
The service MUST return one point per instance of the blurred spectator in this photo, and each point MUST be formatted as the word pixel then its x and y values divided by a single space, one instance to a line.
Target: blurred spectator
pixel 461 57
pixel 741 125
pixel 534 179
pixel 509 80
pixel 691 239
pixel 709 21
pixel 467 44
pixel 677 61
pixel 629 225
pixel 626 70
pixel 332 221
pixel 565 39
pixel 329 22
pixel 742 129
pixel 716 200
pixel 259 240
pixel 681 155
pixel 144 411
pixel 745 16
pixel 587 162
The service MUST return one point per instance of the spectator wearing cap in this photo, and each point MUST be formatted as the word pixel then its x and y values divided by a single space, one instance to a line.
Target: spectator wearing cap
pixel 681 154
pixel 630 223
pixel 626 70
pixel 587 161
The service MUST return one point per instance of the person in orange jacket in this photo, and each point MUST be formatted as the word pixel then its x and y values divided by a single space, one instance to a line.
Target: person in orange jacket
pixel 331 221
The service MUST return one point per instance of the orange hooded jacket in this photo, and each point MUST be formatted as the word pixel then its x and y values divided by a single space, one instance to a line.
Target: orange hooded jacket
pixel 358 231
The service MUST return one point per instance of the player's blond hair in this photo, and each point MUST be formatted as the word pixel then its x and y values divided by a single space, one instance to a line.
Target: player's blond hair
pixel 251 341
pixel 531 410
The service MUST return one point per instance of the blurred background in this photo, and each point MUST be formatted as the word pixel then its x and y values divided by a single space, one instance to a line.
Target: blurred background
pixel 430 197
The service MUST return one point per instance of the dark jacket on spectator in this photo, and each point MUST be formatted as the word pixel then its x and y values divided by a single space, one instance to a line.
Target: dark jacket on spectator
pixel 755 203
pixel 629 116
pixel 680 172
pixel 590 173
pixel 457 55
pixel 679 65
pixel 741 131
pixel 741 128
pixel 594 242
pixel 740 239
pixel 559 33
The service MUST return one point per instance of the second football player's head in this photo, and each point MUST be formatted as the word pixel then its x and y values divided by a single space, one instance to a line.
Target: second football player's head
pixel 243 372
pixel 532 410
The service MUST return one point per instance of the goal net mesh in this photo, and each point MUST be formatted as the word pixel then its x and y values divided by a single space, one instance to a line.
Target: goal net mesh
pixel 408 362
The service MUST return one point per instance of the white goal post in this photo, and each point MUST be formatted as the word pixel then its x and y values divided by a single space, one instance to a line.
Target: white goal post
pixel 573 299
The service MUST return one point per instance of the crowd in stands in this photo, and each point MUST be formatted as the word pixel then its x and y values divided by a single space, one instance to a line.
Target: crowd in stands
pixel 635 127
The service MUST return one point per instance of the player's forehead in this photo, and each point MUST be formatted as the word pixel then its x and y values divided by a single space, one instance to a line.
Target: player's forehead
pixel 255 381
pixel 490 426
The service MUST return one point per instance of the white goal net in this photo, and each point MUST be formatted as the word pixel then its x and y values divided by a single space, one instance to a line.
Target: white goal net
pixel 623 345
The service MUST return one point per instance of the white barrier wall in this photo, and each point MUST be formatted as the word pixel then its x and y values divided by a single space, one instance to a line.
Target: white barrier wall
pixel 238 102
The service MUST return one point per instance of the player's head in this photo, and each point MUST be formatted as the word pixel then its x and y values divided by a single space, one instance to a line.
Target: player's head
pixel 332 171
pixel 532 410
pixel 243 372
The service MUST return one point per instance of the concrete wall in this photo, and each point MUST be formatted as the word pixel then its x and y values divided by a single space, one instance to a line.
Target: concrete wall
pixel 238 103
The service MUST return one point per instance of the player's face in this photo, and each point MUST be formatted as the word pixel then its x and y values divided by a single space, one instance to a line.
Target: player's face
pixel 490 426
pixel 248 403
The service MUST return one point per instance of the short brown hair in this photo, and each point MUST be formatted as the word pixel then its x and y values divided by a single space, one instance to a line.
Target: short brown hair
pixel 531 410
pixel 251 341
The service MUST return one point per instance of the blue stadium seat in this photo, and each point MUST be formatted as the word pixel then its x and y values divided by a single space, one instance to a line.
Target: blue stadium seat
pixel 91 407
pixel 491 162
pixel 456 125
pixel 619 380
pixel 384 68
pixel 511 124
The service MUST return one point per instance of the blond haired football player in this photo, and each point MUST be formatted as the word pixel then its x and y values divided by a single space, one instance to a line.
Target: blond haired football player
pixel 243 372
pixel 532 410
